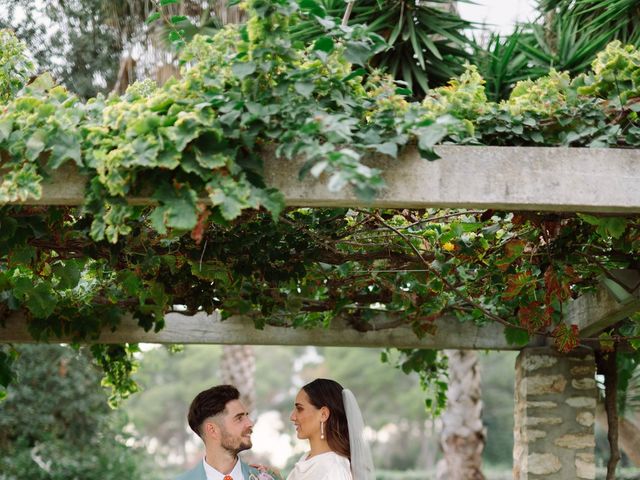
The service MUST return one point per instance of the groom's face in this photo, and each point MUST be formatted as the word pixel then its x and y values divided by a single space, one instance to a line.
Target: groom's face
pixel 235 428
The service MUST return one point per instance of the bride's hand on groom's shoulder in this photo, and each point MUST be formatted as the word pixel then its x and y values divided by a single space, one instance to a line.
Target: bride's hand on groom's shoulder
pixel 266 472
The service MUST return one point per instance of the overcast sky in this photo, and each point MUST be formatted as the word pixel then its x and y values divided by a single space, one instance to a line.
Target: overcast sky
pixel 499 15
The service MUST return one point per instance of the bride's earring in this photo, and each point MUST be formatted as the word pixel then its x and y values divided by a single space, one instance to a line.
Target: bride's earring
pixel 321 430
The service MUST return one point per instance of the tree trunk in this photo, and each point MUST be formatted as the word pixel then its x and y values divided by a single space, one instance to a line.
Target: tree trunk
pixel 227 14
pixel 238 368
pixel 126 75
pixel 628 433
pixel 450 6
pixel 463 435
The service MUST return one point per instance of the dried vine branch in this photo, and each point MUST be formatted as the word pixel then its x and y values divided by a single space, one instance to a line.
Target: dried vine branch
pixel 607 366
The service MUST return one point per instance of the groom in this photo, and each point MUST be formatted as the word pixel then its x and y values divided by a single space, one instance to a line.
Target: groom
pixel 222 422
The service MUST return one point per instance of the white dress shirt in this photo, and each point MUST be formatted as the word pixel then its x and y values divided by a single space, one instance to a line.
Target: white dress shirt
pixel 213 474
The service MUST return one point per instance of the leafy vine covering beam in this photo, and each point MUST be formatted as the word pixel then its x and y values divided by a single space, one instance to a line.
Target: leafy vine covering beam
pixel 593 312
pixel 78 270
pixel 203 328
pixel 507 178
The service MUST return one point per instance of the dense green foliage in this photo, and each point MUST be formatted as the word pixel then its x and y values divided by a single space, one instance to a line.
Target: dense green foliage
pixel 249 91
pixel 425 41
pixel 55 423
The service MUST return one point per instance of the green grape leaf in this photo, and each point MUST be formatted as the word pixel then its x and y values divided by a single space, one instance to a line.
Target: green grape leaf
pixel 177 208
pixel 41 300
pixel 68 273
pixel 516 336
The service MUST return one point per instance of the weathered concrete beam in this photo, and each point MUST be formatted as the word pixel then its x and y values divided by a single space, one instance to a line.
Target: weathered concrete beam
pixel 210 329
pixel 597 311
pixel 502 178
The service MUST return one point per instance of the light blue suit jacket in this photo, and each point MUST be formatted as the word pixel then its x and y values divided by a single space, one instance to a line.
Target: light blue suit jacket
pixel 198 473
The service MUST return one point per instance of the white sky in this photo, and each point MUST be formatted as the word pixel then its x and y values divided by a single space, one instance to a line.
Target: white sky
pixel 499 15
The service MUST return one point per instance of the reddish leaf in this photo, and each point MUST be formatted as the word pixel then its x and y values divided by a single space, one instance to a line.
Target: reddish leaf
pixel 514 248
pixel 516 283
pixel 556 287
pixel 565 337
pixel 519 219
pixel 535 317
pixel 198 231
pixel 512 251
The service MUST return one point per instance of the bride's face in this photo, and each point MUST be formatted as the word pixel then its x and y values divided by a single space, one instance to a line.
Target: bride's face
pixel 306 417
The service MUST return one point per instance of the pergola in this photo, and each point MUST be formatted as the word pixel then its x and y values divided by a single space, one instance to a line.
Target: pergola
pixel 555 393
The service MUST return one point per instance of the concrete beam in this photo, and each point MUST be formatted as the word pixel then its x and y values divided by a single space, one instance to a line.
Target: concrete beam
pixel 210 329
pixel 599 310
pixel 502 178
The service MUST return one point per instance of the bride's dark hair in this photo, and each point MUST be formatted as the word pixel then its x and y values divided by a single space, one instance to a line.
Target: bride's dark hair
pixel 323 392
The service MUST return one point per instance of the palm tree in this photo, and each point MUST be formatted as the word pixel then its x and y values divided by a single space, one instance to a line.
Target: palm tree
pixel 463 434
pixel 127 19
pixel 238 368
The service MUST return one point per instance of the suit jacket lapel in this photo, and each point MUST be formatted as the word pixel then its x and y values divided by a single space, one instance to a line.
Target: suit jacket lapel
pixel 199 472
pixel 247 471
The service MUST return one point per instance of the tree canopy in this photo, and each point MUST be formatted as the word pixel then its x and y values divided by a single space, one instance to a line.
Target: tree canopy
pixel 56 424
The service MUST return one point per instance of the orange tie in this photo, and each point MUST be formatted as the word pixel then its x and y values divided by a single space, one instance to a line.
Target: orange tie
pixel 227 477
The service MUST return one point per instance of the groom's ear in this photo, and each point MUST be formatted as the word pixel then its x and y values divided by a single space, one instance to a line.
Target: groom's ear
pixel 210 429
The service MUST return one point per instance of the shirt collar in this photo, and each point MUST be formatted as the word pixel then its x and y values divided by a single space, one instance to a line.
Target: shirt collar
pixel 213 474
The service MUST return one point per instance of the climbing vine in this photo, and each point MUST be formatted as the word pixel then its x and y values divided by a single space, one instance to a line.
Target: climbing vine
pixel 218 238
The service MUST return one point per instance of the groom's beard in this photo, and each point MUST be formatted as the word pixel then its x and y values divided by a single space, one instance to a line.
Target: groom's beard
pixel 236 444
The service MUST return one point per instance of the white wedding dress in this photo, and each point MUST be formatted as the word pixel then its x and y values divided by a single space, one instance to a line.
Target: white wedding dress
pixel 326 466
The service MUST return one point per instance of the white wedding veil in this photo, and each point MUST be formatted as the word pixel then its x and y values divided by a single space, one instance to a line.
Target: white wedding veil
pixel 361 460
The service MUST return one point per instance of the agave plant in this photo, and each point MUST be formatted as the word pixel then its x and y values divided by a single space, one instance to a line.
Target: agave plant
pixel 427 44
pixel 563 44
pixel 502 63
pixel 567 37
pixel 572 32
pixel 620 19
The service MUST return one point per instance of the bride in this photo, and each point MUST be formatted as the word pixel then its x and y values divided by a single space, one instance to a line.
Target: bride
pixel 328 416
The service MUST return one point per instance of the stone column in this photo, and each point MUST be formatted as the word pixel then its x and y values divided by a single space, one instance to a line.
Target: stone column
pixel 555 406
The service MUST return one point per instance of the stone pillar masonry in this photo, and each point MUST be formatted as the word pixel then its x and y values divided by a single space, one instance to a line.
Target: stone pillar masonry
pixel 555 406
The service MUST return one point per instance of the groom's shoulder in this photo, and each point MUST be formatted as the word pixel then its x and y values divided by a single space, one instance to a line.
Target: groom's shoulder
pixel 196 473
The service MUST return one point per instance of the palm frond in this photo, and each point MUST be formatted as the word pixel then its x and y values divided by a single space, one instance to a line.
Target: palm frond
pixel 427 45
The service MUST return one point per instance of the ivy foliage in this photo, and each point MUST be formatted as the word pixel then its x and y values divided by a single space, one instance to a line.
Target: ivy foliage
pixel 220 239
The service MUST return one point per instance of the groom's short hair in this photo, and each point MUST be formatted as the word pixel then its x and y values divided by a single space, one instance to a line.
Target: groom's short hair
pixel 210 403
